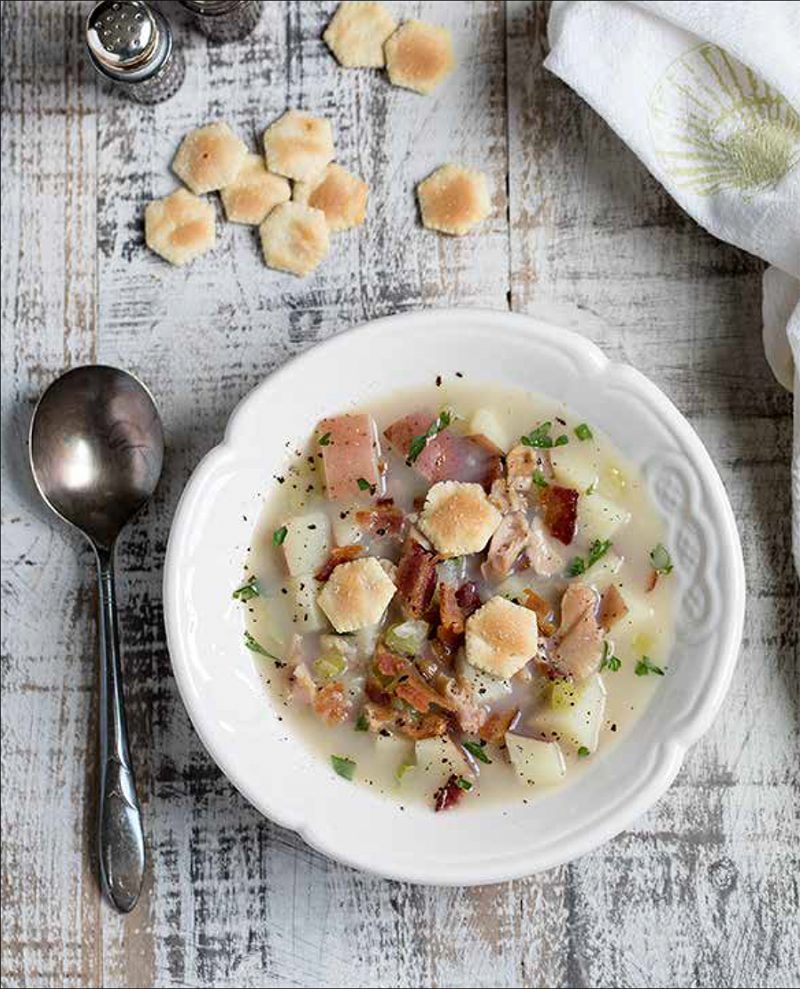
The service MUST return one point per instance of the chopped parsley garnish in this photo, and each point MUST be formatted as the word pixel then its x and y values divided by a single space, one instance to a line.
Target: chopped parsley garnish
pixel 343 766
pixel 248 590
pixel 363 484
pixel 583 432
pixel 583 752
pixel 362 724
pixel 591 489
pixel 609 660
pixel 255 646
pixel 645 666
pixel 541 439
pixel 661 560
pixel 418 444
pixel 279 535
pixel 463 784
pixel 476 749
pixel 325 439
pixel 597 551
pixel 540 480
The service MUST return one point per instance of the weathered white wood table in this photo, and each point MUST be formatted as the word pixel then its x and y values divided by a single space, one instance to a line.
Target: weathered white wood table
pixel 703 890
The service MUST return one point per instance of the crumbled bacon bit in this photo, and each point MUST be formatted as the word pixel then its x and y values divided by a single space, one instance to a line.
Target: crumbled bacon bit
pixel 420 696
pixel 382 520
pixel 416 577
pixel 450 614
pixel 340 554
pixel 497 724
pixel 448 795
pixel 469 600
pixel 543 611
pixel 331 703
pixel 652 580
pixel 560 512
pixel 429 725
pixel 376 692
pixel 389 664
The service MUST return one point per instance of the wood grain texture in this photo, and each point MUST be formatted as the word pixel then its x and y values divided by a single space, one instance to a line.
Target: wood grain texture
pixel 702 891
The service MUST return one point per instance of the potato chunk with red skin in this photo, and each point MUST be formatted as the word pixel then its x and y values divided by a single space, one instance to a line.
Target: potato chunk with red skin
pixel 347 444
pixel 446 456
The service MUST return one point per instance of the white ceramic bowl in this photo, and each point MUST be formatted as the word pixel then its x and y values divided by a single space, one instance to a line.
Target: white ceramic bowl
pixel 232 711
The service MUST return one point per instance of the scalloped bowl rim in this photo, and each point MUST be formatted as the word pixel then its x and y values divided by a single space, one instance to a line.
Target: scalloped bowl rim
pixel 315 821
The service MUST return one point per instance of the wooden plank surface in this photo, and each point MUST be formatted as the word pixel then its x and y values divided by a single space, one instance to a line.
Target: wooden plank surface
pixel 703 890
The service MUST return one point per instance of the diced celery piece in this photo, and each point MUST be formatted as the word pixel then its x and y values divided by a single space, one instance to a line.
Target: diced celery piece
pixel 402 769
pixel 537 763
pixel 407 638
pixel 329 666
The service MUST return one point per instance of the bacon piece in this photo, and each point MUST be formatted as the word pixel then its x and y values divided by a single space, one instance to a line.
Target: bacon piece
pixel 612 607
pixel 560 511
pixel 416 578
pixel 389 664
pixel 509 540
pixel 652 580
pixel 382 520
pixel 497 724
pixel 339 554
pixel 429 726
pixel 468 598
pixel 420 696
pixel 331 703
pixel 543 611
pixel 376 692
pixel 580 639
pixel 450 614
pixel 448 795
pixel 446 456
pixel 348 455
pixel 378 716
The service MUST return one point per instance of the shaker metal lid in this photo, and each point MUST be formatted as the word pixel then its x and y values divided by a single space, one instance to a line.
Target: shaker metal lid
pixel 122 34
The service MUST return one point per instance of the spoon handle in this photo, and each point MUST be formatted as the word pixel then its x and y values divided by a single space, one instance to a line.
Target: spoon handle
pixel 120 835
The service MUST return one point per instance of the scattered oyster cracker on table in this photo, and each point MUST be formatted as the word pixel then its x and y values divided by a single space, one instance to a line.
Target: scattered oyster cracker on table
pixel 298 172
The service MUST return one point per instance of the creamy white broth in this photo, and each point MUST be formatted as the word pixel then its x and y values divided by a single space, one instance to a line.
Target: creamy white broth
pixel 271 618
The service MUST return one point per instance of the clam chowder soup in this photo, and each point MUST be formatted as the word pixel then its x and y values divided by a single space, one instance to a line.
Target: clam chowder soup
pixel 458 594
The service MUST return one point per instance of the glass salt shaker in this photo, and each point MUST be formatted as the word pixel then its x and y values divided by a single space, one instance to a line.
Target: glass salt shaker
pixel 131 44
pixel 225 20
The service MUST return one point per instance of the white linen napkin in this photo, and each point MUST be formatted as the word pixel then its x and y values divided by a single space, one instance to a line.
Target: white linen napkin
pixel 707 94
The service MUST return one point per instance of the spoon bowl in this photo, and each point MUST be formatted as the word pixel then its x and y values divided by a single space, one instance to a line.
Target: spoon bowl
pixel 96 451
pixel 97 448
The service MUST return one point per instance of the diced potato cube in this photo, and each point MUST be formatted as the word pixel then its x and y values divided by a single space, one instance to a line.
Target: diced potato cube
pixel 599 518
pixel 576 465
pixel 486 687
pixel 306 615
pixel 486 423
pixel 437 760
pixel 574 714
pixel 639 621
pixel 307 544
pixel 537 763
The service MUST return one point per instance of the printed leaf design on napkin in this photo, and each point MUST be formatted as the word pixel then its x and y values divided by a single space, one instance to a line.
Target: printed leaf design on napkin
pixel 716 125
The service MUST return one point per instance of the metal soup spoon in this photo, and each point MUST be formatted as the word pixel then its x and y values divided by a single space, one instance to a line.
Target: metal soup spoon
pixel 96 449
